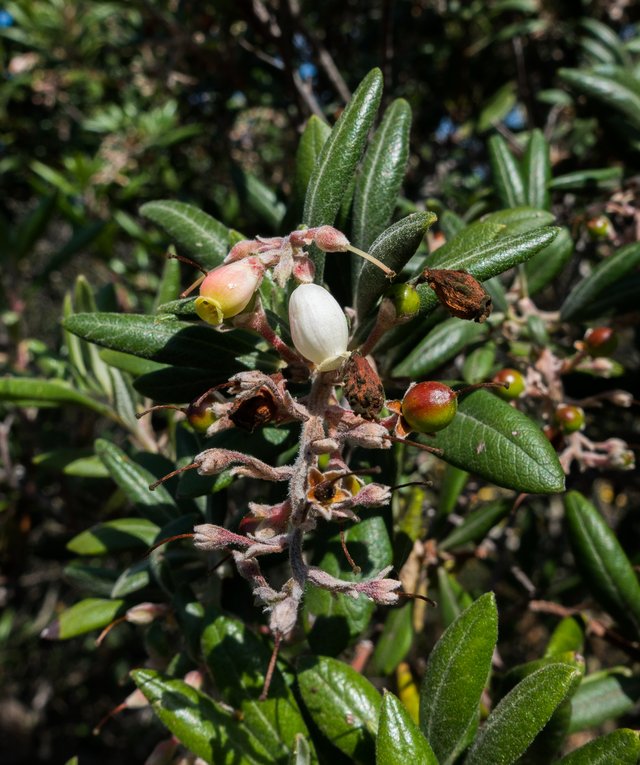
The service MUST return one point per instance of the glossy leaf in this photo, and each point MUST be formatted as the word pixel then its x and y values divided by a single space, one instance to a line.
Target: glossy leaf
pixel 399 739
pixel 588 180
pixel 198 722
pixel 521 715
pixel 29 391
pixel 444 342
pixel 519 220
pixel 193 231
pixel 342 703
pixel 545 265
pixel 311 142
pixel 605 89
pixel 133 579
pixel 479 363
pixel 601 697
pixel 487 259
pixel 621 746
pixel 606 274
pixel 476 525
pixel 456 674
pixel 134 481
pixel 492 439
pixel 165 340
pixel 337 619
pixel 567 636
pixel 112 536
pixel 394 247
pixel 507 175
pixel 453 482
pixel 394 642
pixel 381 176
pixel 452 599
pixel 536 167
pixel 238 661
pixel 84 616
pixel 602 562
pixel 335 167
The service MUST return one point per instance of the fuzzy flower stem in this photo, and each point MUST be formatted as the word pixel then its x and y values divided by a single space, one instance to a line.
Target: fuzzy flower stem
pixel 258 322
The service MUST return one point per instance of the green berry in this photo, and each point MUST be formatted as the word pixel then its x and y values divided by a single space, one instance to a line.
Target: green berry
pixel 429 406
pixel 405 299
pixel 516 383
pixel 200 414
pixel 600 341
pixel 570 418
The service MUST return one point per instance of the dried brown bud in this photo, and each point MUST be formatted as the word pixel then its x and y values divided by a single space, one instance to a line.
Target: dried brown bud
pixel 460 293
pixel 251 413
pixel 362 387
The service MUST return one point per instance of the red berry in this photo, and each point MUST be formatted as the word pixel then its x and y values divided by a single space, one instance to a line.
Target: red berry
pixel 429 406
pixel 516 382
pixel 570 418
pixel 601 341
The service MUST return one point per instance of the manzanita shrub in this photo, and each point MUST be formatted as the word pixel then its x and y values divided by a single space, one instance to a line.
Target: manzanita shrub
pixel 299 455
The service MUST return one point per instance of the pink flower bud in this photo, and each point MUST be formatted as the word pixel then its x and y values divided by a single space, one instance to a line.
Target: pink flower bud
pixel 228 289
pixel 329 239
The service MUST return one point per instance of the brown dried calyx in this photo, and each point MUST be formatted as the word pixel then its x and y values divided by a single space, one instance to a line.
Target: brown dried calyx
pixel 362 387
pixel 255 411
pixel 459 292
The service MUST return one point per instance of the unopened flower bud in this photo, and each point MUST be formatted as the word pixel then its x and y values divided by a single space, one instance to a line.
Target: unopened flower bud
pixel 318 326
pixel 228 289
pixel 145 613
pixel 329 239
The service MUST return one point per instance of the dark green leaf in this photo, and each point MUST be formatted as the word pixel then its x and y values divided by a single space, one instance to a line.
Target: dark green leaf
pixel 112 536
pixel 169 287
pixel 125 362
pixel 93 580
pixel 621 747
pixel 165 340
pixel 456 674
pixel 445 341
pixel 498 106
pixel 175 384
pixel 395 641
pixel 238 661
pixel 521 715
pixel 134 578
pixel 476 525
pixel 379 182
pixel 335 167
pixel 519 220
pixel 399 739
pixel 601 697
pixel 202 725
pixel 336 618
pixel 85 616
pixel 201 236
pixel 607 273
pixel 452 599
pixel 496 441
pixel 536 168
pixel 134 481
pixel 545 265
pixel 453 482
pixel 487 258
pixel 394 247
pixel 312 140
pixel 589 180
pixel 183 307
pixel 607 90
pixel 343 704
pixel 602 562
pixel 34 392
pixel 567 636
pixel 507 175
pixel 479 363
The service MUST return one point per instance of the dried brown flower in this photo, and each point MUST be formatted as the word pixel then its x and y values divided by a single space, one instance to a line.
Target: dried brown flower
pixel 362 387
pixel 460 293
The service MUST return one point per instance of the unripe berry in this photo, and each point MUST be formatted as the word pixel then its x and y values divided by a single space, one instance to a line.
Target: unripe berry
pixel 429 406
pixel 200 414
pixel 599 227
pixel 600 341
pixel 570 418
pixel 405 299
pixel 516 382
